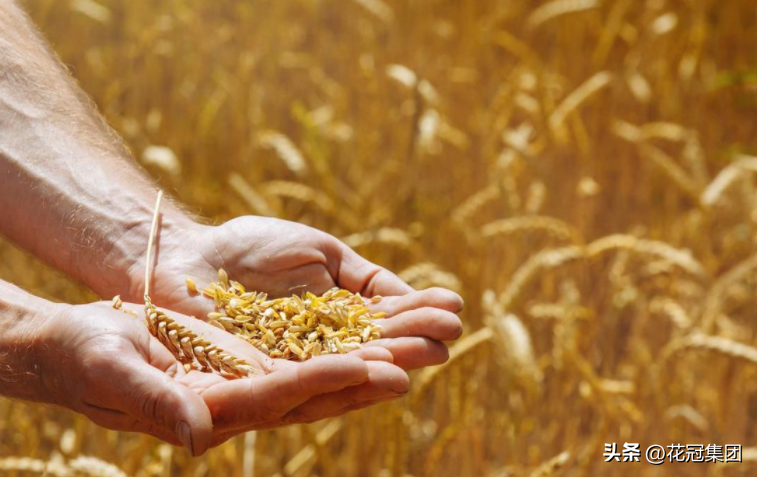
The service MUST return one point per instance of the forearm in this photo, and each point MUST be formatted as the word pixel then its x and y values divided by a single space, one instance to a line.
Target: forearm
pixel 70 194
pixel 21 316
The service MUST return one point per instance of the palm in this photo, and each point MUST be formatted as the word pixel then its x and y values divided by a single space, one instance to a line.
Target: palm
pixel 125 393
pixel 267 255
pixel 281 258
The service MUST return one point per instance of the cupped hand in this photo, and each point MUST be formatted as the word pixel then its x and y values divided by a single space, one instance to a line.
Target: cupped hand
pixel 280 258
pixel 103 363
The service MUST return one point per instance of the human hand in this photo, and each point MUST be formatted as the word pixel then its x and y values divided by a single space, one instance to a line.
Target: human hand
pixel 281 258
pixel 104 364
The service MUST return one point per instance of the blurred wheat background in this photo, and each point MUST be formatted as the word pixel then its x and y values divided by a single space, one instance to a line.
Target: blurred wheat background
pixel 581 171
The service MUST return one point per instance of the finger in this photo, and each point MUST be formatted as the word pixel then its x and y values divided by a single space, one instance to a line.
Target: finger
pixel 149 395
pixel 359 275
pixel 432 297
pixel 386 381
pixel 222 437
pixel 249 401
pixel 434 323
pixel 120 421
pixel 414 352
pixel 374 353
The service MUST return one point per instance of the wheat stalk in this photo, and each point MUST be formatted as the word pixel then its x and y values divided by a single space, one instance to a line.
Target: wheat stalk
pixel 257 202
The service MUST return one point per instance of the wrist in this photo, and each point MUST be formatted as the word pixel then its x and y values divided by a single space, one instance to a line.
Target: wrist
pixel 22 344
pixel 174 236
pixel 122 269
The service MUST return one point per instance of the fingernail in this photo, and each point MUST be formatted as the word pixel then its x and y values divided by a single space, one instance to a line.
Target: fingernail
pixel 184 432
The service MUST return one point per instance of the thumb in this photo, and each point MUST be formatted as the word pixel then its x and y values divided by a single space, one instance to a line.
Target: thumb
pixel 158 400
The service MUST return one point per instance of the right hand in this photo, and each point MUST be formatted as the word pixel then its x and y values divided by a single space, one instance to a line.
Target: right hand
pixel 105 364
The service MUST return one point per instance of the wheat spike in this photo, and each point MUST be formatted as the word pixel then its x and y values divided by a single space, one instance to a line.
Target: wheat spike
pixel 655 248
pixel 95 467
pixel 474 203
pixel 285 149
pixel 551 466
pixel 513 337
pixel 557 8
pixel 715 190
pixel 543 260
pixel 673 310
pixel 577 97
pixel 716 294
pixel 186 346
pixel 716 344
pixel 551 226
pixel 385 235
pixel 30 465
pixel 428 274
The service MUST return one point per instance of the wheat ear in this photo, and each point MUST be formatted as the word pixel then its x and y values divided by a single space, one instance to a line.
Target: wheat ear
pixel 186 346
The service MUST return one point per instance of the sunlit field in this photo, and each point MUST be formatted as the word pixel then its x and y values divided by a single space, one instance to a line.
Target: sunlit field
pixel 581 171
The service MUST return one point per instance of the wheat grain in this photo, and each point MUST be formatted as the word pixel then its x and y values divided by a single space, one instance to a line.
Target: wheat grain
pixel 296 328
pixel 191 349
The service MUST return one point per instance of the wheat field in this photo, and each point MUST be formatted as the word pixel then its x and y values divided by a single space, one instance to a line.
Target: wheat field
pixel 581 171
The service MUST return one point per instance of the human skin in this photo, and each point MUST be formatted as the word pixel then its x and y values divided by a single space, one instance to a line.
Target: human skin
pixel 72 195
pixel 104 364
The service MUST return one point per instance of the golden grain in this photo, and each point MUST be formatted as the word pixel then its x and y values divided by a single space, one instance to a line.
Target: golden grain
pixel 297 328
